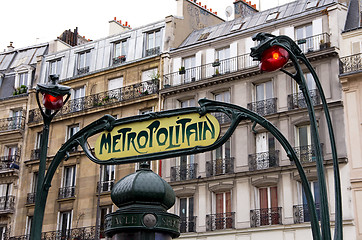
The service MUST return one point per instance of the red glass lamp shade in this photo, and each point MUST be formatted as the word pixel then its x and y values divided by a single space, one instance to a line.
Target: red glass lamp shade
pixel 273 59
pixel 51 102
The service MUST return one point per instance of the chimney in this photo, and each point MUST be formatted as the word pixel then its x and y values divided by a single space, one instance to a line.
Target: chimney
pixel 10 47
pixel 116 27
pixel 243 8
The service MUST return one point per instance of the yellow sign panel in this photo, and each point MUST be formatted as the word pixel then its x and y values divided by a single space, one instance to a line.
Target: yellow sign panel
pixel 157 135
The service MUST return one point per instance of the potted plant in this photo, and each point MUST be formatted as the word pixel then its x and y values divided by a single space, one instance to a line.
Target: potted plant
pixel 216 63
pixel 324 45
pixel 181 70
pixel 23 89
pixel 216 73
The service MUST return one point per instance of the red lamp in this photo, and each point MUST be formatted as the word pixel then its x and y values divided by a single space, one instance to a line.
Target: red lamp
pixel 273 59
pixel 51 102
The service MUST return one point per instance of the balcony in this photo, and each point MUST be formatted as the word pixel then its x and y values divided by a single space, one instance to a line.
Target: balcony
pixel 296 100
pixel 152 51
pixel 350 64
pixel 30 198
pixel 12 124
pixel 83 70
pixel 102 99
pixel 265 216
pixel 220 221
pixel 7 204
pixel 188 224
pixel 301 213
pixel 6 162
pixel 264 107
pixel 66 192
pixel 119 60
pixel 181 173
pixel 106 186
pixel 35 154
pixel 306 154
pixel 314 43
pixel 263 160
pixel 219 167
pixel 209 70
pixel 222 117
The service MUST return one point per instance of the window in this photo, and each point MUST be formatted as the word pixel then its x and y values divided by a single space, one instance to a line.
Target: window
pixel 149 74
pixel 83 62
pixel 222 56
pixel 272 16
pixel 115 83
pixel 11 153
pixel 55 67
pixel 6 198
pixel 204 36
pixel 34 182
pixel 23 79
pixel 237 26
pixel 107 178
pixel 223 218
pixel 304 142
pixel 265 156
pixel 309 81
pixel 39 136
pixel 189 64
pixel 303 136
pixel 68 182
pixel 222 97
pixel 3 232
pixel 264 91
pixel 223 163
pixel 16 119
pixel 104 211
pixel 145 111
pixel 187 103
pixel 304 37
pixel 186 213
pixel 73 129
pixel 268 205
pixel 314 187
pixel 120 52
pixel 264 102
pixel 65 224
pixel 29 222
pixel 114 90
pixel 312 4
pixel 77 99
pixel 153 43
pixel 186 166
pixel 356 47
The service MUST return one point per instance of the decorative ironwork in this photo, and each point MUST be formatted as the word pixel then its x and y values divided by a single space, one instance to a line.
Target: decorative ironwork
pixel 7 203
pixel 264 107
pixel 314 43
pixel 118 60
pixel 12 123
pixel 263 160
pixel 222 117
pixel 66 192
pixel 100 99
pixel 208 70
pixel 35 154
pixel 30 198
pixel 220 221
pixel 301 213
pixel 188 224
pixel 350 64
pixel 306 153
pixel 6 162
pixel 82 70
pixel 297 100
pixel 220 166
pixel 106 186
pixel 180 173
pixel 265 216
pixel 152 51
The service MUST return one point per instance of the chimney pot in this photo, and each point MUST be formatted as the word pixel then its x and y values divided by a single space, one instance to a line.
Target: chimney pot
pixel 126 23
pixel 115 18
pixel 215 13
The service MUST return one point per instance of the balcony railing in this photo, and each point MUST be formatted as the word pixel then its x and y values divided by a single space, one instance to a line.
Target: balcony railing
pixel 152 51
pixel 222 117
pixel 306 153
pixel 263 160
pixel 264 107
pixel 188 224
pixel 297 100
pixel 82 70
pixel 302 214
pixel 220 166
pixel 350 64
pixel 30 198
pixel 106 186
pixel 209 70
pixel 314 43
pixel 100 99
pixel 12 123
pixel 265 216
pixel 181 173
pixel 118 60
pixel 7 203
pixel 66 192
pixel 220 221
pixel 35 154
pixel 6 162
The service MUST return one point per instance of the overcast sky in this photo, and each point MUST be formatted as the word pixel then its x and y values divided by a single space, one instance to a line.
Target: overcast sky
pixel 27 22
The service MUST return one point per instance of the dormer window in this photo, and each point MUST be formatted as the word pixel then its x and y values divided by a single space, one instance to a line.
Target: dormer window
pixel 153 43
pixel 204 36
pixel 83 62
pixel 23 75
pixel 272 16
pixel 119 52
pixel 55 67
pixel 237 26
pixel 312 4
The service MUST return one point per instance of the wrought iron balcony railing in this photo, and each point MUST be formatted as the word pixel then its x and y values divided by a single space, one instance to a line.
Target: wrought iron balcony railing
pixel 152 51
pixel 209 70
pixel 7 203
pixel 181 173
pixel 263 160
pixel 222 117
pixel 297 100
pixel 302 214
pixel 66 192
pixel 350 64
pixel 265 216
pixel 314 43
pixel 220 221
pixel 264 107
pixel 30 198
pixel 220 166
pixel 12 123
pixel 35 154
pixel 188 224
pixel 306 153
pixel 100 99
pixel 82 70
pixel 106 186
pixel 6 162
pixel 118 60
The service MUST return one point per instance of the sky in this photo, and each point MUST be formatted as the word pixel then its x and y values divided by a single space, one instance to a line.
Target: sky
pixel 27 23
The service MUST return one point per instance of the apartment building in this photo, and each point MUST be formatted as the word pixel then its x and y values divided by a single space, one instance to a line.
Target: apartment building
pixel 351 80
pixel 248 188
pixel 117 75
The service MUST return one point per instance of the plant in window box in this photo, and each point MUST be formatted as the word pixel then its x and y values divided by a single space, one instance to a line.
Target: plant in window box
pixel 181 70
pixel 216 63
pixel 216 73
pixel 23 89
pixel 105 99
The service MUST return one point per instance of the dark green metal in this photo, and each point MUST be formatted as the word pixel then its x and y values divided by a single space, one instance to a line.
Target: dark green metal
pixel 266 41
